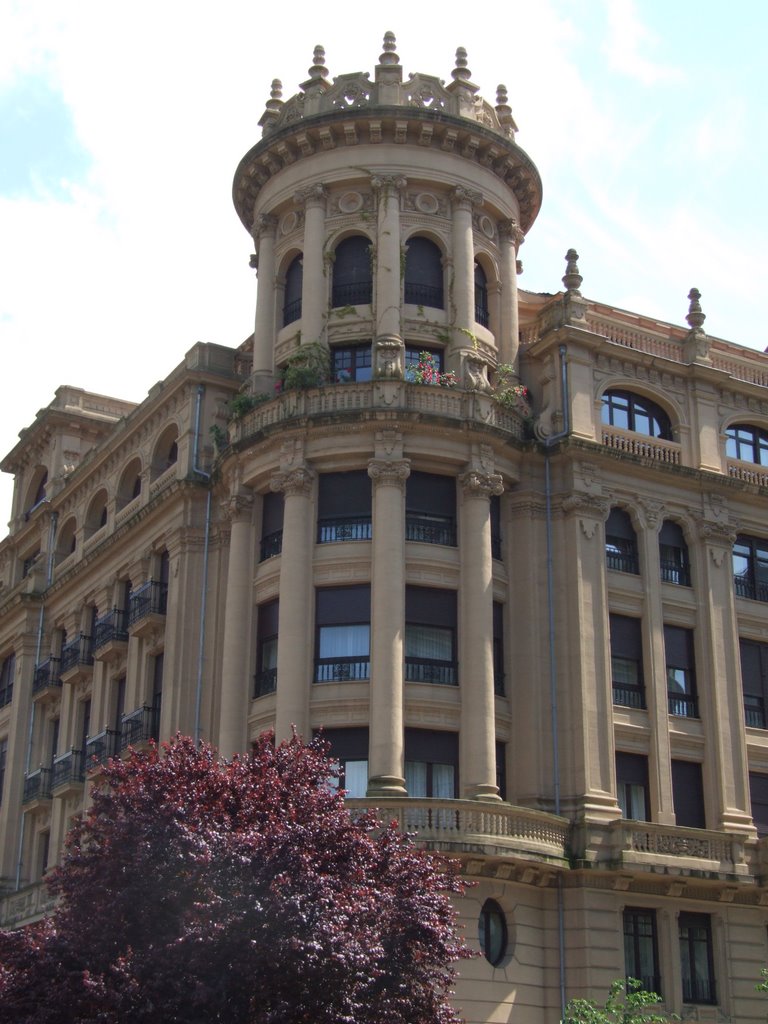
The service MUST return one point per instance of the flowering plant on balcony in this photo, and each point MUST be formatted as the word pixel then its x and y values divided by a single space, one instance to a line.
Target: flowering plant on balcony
pixel 508 392
pixel 426 372
pixel 343 376
pixel 307 367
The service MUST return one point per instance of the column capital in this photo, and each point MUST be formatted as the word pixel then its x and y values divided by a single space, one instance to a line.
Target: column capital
pixel 476 484
pixel 385 182
pixel 238 507
pixel 264 224
pixel 465 198
pixel 389 472
pixel 295 481
pixel 312 195
pixel 510 231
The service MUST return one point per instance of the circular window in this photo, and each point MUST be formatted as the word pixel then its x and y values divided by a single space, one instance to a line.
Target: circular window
pixel 492 932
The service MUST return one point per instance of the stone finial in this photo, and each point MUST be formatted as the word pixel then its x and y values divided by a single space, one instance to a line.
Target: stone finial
pixel 504 112
pixel 318 71
pixel 273 106
pixel 695 316
pixel 389 56
pixel 572 278
pixel 461 71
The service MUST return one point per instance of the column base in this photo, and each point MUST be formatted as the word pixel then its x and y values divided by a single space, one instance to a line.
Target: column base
pixel 386 785
pixel 483 792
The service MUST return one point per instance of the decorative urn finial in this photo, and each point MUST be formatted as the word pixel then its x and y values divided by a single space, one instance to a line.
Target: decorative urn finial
pixel 504 112
pixel 389 56
pixel 572 278
pixel 318 71
pixel 461 72
pixel 695 316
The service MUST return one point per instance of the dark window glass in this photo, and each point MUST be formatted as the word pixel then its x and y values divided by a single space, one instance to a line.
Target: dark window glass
pixel 344 507
pixel 673 555
pixel 117 718
pixel 342 617
pixel 492 932
pixel 349 749
pixel 266 648
pixel 688 794
pixel 481 296
pixel 632 786
pixel 3 760
pixel 430 636
pixel 748 443
pixel 294 278
pixel 627 661
pixel 501 768
pixel 754 682
pixel 681 672
pixel 696 960
pixel 620 542
pixel 750 567
pixel 7 676
pixel 423 273
pixel 758 793
pixel 629 411
pixel 430 509
pixel 498 648
pixel 496 526
pixel 352 277
pixel 431 763
pixel 157 693
pixel 352 363
pixel 272 510
pixel 40 490
pixel 641 952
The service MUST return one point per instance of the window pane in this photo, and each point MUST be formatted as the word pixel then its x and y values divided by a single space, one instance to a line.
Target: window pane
pixel 442 781
pixel 344 641
pixel 416 778
pixel 428 642
pixel 356 778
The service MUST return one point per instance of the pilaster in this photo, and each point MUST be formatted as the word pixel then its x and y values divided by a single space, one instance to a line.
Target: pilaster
pixel 263 232
pixel 314 297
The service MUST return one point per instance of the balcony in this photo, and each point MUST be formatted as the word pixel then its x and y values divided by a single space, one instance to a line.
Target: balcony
pixel 428 529
pixel 147 606
pixel 621 561
pixel 76 658
pixel 649 846
pixel 424 295
pixel 683 705
pixel 358 293
pixel 38 785
pixel 343 528
pixel 675 572
pixel 101 747
pixel 628 696
pixel 271 544
pixel 754 711
pixel 110 634
pixel 495 829
pixel 68 770
pixel 140 726
pixel 430 670
pixel 342 670
pixel 265 682
pixel 746 587
pixel 47 677
pixel 627 442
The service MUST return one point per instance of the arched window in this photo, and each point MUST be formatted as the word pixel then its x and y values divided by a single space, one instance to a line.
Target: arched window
pixel 481 296
pixel 36 492
pixel 96 516
pixel 424 274
pixel 673 555
pixel 294 279
pixel 130 484
pixel 620 542
pixel 166 451
pixel 492 932
pixel 66 541
pixel 747 443
pixel 352 276
pixel 629 411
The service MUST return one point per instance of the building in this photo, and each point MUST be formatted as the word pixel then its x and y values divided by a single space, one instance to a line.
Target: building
pixel 533 624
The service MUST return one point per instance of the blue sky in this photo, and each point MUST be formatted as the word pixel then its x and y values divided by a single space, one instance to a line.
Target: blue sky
pixel 121 126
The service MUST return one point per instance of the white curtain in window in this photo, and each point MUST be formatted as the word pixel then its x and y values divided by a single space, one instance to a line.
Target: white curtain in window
pixel 356 778
pixel 442 780
pixel 344 641
pixel 416 778
pixel 428 642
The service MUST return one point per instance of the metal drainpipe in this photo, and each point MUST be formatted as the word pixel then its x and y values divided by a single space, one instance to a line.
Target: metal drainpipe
pixel 38 648
pixel 548 445
pixel 206 544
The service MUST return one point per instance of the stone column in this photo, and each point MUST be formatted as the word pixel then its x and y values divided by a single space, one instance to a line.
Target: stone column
pixel 263 232
pixel 235 681
pixel 387 626
pixel 463 265
pixel 294 643
pixel 478 726
pixel 314 295
pixel 388 256
pixel 508 341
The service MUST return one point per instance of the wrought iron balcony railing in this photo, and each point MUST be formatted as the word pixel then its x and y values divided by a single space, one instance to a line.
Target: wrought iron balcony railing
pixel 38 785
pixel 343 528
pixel 430 670
pixel 427 529
pixel 101 747
pixel 77 652
pixel 358 293
pixel 151 598
pixel 265 682
pixel 335 670
pixel 754 711
pixel 291 312
pixel 139 726
pixel 424 295
pixel 622 561
pixel 271 544
pixel 674 572
pixel 684 705
pixel 628 696
pixel 110 627
pixel 746 587
pixel 47 673
pixel 68 768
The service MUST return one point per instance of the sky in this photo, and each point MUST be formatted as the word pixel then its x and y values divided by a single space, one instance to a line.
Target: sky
pixel 121 126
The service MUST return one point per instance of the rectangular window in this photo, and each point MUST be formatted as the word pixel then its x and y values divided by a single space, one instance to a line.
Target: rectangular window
pixel 430 636
pixel 157 693
pixel 272 509
pixel 673 555
pixel 342 619
pixel 3 759
pixel 413 357
pixel 266 648
pixel 688 794
pixel 754 681
pixel 501 768
pixel 496 526
pixel 632 786
pixel 498 648
pixel 620 542
pixel 431 763
pixel 681 673
pixel 352 363
pixel 7 676
pixel 343 507
pixel 750 568
pixel 430 509
pixel 758 793
pixel 641 953
pixel 349 748
pixel 627 661
pixel 696 960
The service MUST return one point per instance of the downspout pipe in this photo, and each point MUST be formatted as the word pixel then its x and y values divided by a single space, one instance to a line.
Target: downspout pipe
pixel 38 648
pixel 197 469
pixel 549 444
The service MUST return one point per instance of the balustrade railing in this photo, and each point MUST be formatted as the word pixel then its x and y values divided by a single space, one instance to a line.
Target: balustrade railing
pixel 77 652
pixel 151 598
pixel 110 627
pixel 430 670
pixel 139 726
pixel 746 587
pixel 428 529
pixel 101 747
pixel 38 785
pixel 359 293
pixel 47 673
pixel 630 443
pixel 68 768
pixel 271 544
pixel 265 682
pixel 334 670
pixel 628 696
pixel 343 528
pixel 675 572
pixel 683 705
pixel 424 295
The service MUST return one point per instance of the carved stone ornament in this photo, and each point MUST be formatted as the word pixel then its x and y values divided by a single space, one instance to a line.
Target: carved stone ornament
pixel 238 507
pixel 389 358
pixel 389 472
pixel 316 193
pixel 591 509
pixel 481 485
pixel 475 373
pixel 264 224
pixel 510 231
pixel 388 182
pixel 295 481
pixel 465 197
pixel 652 509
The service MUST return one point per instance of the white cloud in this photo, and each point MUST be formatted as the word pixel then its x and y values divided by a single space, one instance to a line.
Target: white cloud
pixel 627 39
